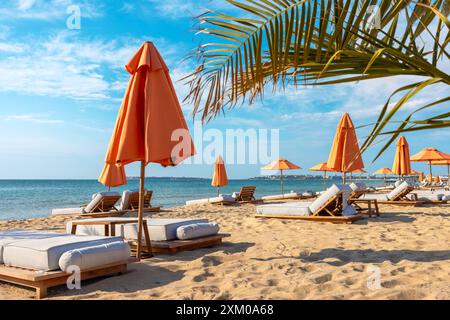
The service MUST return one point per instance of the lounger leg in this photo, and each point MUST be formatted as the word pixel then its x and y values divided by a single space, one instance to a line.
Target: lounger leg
pixel 377 210
pixel 41 292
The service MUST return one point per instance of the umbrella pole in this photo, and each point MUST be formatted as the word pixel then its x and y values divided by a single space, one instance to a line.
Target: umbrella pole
pixel 431 173
pixel 218 191
pixel 141 216
pixel 281 181
pixel 343 177
pixel 448 174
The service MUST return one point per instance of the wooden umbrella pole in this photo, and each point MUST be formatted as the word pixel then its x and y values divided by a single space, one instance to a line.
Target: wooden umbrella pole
pixel 141 217
pixel 448 174
pixel 218 191
pixel 343 177
pixel 431 173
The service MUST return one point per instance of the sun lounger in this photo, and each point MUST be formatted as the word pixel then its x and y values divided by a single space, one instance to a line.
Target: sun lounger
pixel 223 199
pixel 166 235
pixel 401 195
pixel 40 261
pixel 101 205
pixel 369 206
pixel 330 206
pixel 289 196
pixel 130 202
pixel 433 196
pixel 246 195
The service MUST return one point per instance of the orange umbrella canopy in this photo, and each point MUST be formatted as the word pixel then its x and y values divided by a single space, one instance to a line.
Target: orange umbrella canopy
pixel 402 163
pixel 281 164
pixel 414 172
pixel 383 171
pixel 320 167
pixel 220 173
pixel 345 155
pixel 113 175
pixel 441 162
pixel 430 154
pixel 150 126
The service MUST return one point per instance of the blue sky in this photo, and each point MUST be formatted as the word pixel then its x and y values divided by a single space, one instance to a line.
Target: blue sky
pixel 60 91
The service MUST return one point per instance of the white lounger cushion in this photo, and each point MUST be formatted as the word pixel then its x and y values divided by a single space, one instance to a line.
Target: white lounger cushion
pixel 426 195
pixel 124 201
pixel 44 254
pixel 327 195
pixel 358 186
pixel 290 208
pixel 375 196
pixel 399 189
pixel 67 211
pixel 159 229
pixel 11 236
pixel 95 256
pixel 220 198
pixel 197 230
pixel 96 199
pixel 290 195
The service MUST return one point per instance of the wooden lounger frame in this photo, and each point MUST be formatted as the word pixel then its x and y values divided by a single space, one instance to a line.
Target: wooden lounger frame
pixel 403 200
pixel 41 281
pixel 134 202
pixel 105 208
pixel 330 211
pixel 371 205
pixel 174 246
pixel 247 195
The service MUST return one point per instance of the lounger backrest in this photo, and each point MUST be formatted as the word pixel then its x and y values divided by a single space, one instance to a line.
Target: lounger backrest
pixel 328 196
pixel 103 201
pixel 124 202
pixel 402 190
pixel 358 189
pixel 247 193
pixel 134 199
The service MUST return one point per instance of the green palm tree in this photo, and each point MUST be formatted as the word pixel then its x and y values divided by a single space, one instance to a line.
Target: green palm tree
pixel 277 43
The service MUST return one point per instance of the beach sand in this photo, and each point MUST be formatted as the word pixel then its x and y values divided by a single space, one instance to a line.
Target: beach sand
pixel 408 247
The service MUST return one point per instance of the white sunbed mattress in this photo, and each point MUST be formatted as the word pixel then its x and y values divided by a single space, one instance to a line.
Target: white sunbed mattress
pixel 44 254
pixel 213 200
pixel 428 195
pixel 290 195
pixel 375 196
pixel 11 236
pixel 159 229
pixel 67 211
pixel 289 209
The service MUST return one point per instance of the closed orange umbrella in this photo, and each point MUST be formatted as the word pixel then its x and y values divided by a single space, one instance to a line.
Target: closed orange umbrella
pixel 281 164
pixel 437 179
pixel 150 126
pixel 421 176
pixel 414 172
pixel 113 175
pixel 444 163
pixel 322 167
pixel 383 171
pixel 345 155
pixel 220 178
pixel 402 164
pixel 429 155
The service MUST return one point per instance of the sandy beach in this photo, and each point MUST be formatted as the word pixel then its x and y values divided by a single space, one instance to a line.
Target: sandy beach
pixel 284 259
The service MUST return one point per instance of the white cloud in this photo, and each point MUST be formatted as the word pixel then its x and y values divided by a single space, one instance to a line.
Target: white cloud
pixel 11 47
pixel 34 118
pixel 46 9
pixel 66 65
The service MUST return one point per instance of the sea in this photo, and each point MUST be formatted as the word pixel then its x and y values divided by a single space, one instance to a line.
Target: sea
pixel 25 199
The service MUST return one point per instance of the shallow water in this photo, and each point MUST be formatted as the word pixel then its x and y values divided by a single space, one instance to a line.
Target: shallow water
pixel 23 199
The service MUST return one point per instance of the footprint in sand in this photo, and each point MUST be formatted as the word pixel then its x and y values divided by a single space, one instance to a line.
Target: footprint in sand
pixel 210 261
pixel 203 276
pixel 322 279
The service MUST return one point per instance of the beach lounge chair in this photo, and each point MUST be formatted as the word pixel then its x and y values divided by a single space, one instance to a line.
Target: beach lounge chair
pixel 166 235
pixel 289 196
pixel 246 195
pixel 402 195
pixel 101 205
pixel 40 260
pixel 330 206
pixel 369 206
pixel 222 199
pixel 130 202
